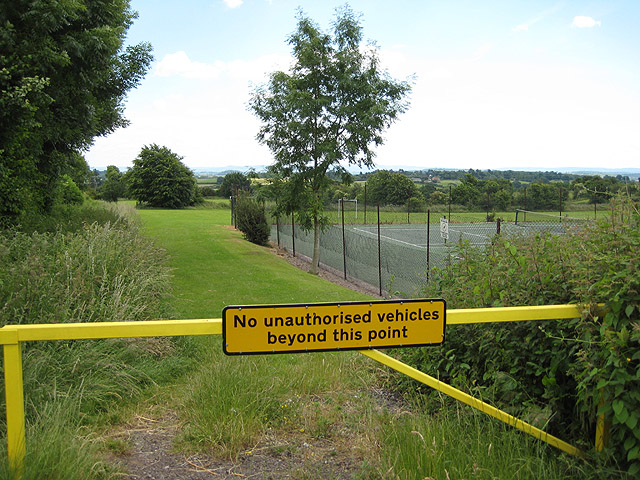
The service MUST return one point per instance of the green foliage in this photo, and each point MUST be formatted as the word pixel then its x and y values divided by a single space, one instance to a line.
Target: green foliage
pixel 208 191
pixel 547 370
pixel 251 220
pixel 160 179
pixel 389 188
pixel 541 196
pixel 100 272
pixel 114 185
pixel 610 366
pixel 459 442
pixel 232 182
pixel 332 107
pixel 64 74
pixel 595 188
pixel 68 191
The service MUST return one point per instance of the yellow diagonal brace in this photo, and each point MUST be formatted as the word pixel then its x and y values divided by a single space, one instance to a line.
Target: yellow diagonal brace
pixel 472 401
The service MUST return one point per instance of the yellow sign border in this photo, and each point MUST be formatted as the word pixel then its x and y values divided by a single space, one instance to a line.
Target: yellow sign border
pixel 348 312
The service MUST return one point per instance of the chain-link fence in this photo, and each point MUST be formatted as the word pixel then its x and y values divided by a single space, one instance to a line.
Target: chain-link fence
pixel 392 258
pixel 393 251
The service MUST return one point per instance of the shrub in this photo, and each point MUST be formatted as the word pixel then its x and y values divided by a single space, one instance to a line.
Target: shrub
pixel 251 220
pixel 68 191
pixel 208 191
pixel 556 374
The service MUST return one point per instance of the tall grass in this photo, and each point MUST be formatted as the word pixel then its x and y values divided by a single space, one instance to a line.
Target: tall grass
pixel 94 272
pixel 459 442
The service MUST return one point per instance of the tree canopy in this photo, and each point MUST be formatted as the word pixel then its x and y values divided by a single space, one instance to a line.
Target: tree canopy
pixel 160 179
pixel 114 185
pixel 390 188
pixel 329 110
pixel 64 74
pixel 233 181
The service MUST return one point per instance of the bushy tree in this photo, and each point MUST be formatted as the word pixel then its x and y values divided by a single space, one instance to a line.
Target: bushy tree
pixel 332 107
pixel 251 219
pixel 160 179
pixel 114 185
pixel 390 188
pixel 68 193
pixel 233 181
pixel 64 75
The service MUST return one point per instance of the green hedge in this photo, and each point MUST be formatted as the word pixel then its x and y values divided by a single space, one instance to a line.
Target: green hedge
pixel 558 374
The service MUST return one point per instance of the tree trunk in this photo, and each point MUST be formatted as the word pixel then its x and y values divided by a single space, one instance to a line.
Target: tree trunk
pixel 315 261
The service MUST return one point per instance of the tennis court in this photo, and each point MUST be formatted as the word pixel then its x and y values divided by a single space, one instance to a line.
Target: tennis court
pixel 401 262
pixel 415 235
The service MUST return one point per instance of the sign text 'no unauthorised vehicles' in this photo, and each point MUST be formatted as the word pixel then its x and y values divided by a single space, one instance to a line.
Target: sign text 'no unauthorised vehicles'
pixel 293 328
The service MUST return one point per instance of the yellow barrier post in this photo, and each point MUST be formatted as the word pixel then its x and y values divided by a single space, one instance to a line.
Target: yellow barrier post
pixel 14 394
pixel 472 401
pixel 603 427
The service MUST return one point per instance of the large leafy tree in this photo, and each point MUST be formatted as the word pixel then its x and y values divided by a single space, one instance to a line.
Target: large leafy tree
pixel 234 181
pixel 64 74
pixel 114 185
pixel 390 188
pixel 160 179
pixel 327 112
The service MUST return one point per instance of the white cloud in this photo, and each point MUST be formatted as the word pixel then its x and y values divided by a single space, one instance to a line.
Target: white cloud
pixel 585 22
pixel 233 3
pixel 521 28
pixel 179 64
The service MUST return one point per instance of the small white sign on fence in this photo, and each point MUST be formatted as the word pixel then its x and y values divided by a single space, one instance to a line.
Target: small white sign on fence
pixel 444 228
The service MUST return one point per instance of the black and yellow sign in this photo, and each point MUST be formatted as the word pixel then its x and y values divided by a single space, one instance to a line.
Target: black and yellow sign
pixel 332 326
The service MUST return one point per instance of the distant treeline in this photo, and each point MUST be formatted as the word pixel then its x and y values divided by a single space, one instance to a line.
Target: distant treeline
pixel 512 175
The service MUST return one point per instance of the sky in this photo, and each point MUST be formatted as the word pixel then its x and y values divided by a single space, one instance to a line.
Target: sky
pixel 498 84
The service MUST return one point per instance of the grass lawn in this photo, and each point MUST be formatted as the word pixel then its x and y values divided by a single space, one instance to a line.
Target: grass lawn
pixel 214 266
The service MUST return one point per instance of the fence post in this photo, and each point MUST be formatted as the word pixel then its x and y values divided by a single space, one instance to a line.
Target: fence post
pixel 278 230
pixel 449 203
pixel 365 203
pixel 560 190
pixel 428 242
pixel 344 245
pixel 379 256
pixel 293 234
pixel 14 395
pixel 408 209
pixel 498 223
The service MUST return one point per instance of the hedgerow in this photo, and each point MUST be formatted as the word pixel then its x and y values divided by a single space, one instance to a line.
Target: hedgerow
pixel 558 374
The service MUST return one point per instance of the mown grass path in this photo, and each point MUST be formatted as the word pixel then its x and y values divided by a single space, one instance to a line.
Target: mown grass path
pixel 214 266
pixel 264 415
